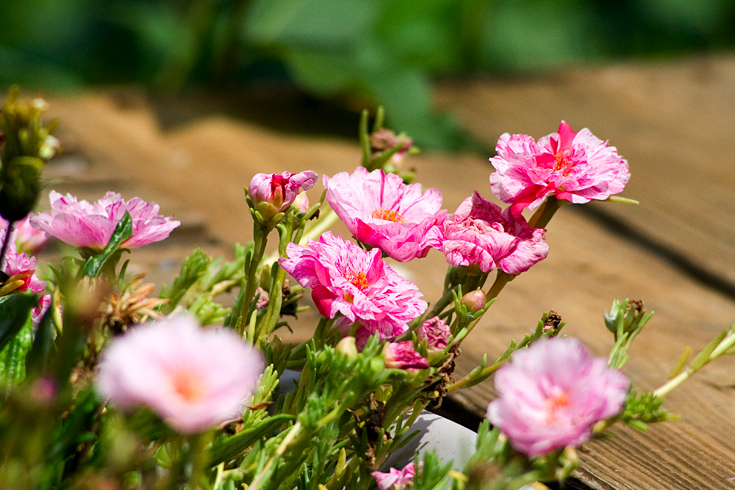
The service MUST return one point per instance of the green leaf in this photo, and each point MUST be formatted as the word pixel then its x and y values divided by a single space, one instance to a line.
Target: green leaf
pixel 226 449
pixel 42 343
pixel 13 356
pixel 15 310
pixel 123 231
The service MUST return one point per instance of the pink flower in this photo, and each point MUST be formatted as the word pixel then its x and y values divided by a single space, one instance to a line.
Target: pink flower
pixel 402 355
pixel 551 394
pixel 347 280
pixel 274 193
pixel 395 479
pixel 27 239
pixel 573 166
pixel 381 211
pixel 194 378
pixel 480 234
pixel 91 225
pixel 19 263
pixel 435 332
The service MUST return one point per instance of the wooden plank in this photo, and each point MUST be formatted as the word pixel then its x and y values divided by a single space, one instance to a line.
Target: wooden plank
pixel 202 167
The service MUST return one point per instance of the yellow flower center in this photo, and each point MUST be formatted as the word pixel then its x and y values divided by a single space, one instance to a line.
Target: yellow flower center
pixel 387 215
pixel 358 279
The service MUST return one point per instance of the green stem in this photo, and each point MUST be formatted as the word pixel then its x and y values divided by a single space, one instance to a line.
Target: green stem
pixel 261 240
pixel 667 387
pixel 446 299
pixel 545 212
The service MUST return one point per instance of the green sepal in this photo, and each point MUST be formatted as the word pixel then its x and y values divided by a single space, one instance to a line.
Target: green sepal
pixel 123 231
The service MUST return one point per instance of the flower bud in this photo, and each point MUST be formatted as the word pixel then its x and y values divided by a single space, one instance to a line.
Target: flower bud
pixel 347 347
pixel 474 301
pixel 435 332
pixel 301 203
pixel 274 193
pixel 402 355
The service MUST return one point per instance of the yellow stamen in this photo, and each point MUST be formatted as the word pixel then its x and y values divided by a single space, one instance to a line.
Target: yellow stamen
pixel 387 215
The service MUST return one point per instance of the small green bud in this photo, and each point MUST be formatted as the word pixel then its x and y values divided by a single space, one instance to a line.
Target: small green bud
pixel 347 347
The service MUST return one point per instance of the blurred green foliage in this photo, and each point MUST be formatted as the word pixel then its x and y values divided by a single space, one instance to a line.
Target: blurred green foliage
pixel 384 51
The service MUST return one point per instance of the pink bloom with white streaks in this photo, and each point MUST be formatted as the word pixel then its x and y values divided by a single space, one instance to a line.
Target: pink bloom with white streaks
pixel 381 211
pixel 480 234
pixel 395 479
pixel 552 393
pixel 359 285
pixel 402 355
pixel 82 224
pixel 574 166
pixel 193 378
pixel 274 193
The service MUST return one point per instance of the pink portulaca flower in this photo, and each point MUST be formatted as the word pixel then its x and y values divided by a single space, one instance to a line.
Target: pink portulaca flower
pixel 551 394
pixel 381 211
pixel 359 285
pixel 574 166
pixel 193 378
pixel 481 234
pixel 274 193
pixel 82 224
pixel 402 355
pixel 395 479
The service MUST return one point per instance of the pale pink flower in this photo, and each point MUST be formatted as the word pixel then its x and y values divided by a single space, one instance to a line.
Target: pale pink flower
pixel 552 393
pixel 480 234
pixel 193 378
pixel 274 193
pixel 359 285
pixel 381 211
pixel 435 332
pixel 395 479
pixel 402 355
pixel 27 239
pixel 574 166
pixel 82 224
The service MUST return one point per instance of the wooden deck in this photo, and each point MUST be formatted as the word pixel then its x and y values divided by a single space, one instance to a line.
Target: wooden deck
pixel 676 251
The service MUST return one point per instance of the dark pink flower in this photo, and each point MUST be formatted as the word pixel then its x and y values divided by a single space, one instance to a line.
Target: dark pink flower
pixel 402 355
pixel 552 393
pixel 395 479
pixel 381 211
pixel 19 263
pixel 274 193
pixel 576 167
pixel 481 234
pixel 82 224
pixel 357 284
pixel 435 332
pixel 194 378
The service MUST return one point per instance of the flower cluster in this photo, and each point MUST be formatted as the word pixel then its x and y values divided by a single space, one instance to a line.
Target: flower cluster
pixel 138 381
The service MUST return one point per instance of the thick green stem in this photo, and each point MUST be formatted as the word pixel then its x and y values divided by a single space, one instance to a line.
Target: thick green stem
pixel 293 433
pixel 261 240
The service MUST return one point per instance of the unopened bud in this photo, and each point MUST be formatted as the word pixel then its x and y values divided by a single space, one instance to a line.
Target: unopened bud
pixel 474 301
pixel 347 347
pixel 301 203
